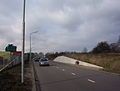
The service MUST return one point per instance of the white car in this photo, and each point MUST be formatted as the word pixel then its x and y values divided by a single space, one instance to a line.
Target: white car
pixel 43 62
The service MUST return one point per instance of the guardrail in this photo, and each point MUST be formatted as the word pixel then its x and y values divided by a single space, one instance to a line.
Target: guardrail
pixel 10 64
pixel 14 62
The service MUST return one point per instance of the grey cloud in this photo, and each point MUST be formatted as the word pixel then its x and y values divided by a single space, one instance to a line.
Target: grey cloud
pixel 91 22
pixel 63 25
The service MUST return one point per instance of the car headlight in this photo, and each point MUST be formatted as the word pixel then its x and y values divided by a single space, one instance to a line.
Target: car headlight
pixel 42 63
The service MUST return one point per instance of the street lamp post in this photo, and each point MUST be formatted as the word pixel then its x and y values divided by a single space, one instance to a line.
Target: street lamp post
pixel 23 44
pixel 31 43
pixel 30 46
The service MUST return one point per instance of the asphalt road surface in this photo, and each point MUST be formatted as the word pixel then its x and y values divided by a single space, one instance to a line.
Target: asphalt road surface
pixel 64 77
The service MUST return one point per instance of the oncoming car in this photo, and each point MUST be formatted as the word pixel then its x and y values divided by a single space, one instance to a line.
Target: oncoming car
pixel 44 62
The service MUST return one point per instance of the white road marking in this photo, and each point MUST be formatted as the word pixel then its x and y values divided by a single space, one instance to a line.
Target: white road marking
pixel 91 81
pixel 63 69
pixel 57 67
pixel 73 74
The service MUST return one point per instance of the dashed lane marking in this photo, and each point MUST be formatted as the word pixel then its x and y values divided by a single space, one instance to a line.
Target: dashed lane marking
pixel 63 69
pixel 57 67
pixel 92 81
pixel 73 74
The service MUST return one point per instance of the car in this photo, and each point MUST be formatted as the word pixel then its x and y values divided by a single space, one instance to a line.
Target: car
pixel 44 62
pixel 36 60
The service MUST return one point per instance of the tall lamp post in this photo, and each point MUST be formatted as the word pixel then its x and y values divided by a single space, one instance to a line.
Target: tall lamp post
pixel 31 43
pixel 23 44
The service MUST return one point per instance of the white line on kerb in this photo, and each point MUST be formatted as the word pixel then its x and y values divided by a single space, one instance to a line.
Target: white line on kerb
pixel 73 74
pixel 91 81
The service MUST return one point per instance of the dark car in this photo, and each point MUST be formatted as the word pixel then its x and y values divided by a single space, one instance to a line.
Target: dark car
pixel 36 60
pixel 44 62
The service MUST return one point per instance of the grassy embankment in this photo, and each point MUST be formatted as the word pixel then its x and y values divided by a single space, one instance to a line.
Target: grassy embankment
pixel 110 61
pixel 5 56
pixel 10 80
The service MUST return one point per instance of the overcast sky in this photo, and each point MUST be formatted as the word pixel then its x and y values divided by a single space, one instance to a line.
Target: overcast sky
pixel 62 25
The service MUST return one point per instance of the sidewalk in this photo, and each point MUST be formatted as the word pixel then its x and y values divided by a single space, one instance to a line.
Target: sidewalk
pixel 29 72
pixel 33 78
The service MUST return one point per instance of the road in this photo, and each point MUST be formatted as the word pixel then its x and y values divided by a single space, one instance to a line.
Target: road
pixel 63 77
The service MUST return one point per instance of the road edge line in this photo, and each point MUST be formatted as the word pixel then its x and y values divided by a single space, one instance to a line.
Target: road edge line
pixel 37 82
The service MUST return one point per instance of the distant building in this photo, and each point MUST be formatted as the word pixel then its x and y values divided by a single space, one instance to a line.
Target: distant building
pixel 119 40
pixel 115 47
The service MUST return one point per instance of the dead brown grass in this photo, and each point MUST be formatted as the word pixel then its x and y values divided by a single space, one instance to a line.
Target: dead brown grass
pixel 10 80
pixel 110 61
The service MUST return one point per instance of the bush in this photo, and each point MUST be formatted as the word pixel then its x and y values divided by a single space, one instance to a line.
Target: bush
pixel 102 47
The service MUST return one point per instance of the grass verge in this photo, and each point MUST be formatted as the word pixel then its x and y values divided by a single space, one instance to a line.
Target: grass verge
pixel 10 80
pixel 110 61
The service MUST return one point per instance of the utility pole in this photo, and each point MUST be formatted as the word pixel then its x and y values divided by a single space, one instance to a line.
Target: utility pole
pixel 23 44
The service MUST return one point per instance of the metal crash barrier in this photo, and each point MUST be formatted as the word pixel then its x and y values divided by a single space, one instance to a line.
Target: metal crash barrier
pixel 10 64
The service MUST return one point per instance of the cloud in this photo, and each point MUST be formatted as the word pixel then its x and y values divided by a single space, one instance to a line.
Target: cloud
pixel 64 25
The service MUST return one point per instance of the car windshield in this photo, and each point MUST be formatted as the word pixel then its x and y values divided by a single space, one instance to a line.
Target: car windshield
pixel 44 60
